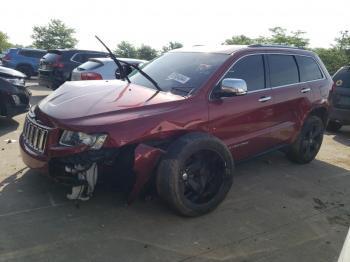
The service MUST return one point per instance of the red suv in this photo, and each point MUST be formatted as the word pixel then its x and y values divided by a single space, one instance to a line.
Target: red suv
pixel 184 127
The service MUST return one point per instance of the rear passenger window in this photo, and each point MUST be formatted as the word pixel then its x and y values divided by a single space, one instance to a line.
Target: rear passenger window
pixel 308 69
pixel 283 70
pixel 251 70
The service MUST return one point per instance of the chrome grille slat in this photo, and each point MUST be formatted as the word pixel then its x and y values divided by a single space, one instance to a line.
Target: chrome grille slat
pixel 35 136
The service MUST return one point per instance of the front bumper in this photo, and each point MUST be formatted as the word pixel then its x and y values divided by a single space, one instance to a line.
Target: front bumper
pixel 340 115
pixel 32 159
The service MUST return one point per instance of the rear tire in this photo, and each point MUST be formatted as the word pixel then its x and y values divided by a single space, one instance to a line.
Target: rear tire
pixel 26 69
pixel 309 141
pixel 195 174
pixel 334 126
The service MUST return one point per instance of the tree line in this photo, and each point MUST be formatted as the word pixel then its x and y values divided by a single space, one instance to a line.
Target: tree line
pixel 58 35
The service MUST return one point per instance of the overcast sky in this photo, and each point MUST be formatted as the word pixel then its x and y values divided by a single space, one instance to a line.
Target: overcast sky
pixel 188 21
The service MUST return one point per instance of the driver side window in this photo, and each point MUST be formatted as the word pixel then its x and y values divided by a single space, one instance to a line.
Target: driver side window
pixel 251 70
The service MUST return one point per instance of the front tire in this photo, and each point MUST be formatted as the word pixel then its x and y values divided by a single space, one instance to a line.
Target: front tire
pixel 195 174
pixel 309 141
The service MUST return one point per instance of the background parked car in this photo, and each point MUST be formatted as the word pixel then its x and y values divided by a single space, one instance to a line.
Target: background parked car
pixel 102 68
pixel 340 113
pixel 25 60
pixel 57 65
pixel 14 96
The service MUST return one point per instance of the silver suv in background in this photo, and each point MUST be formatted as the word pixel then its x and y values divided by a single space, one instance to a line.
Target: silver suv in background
pixel 102 68
pixel 340 112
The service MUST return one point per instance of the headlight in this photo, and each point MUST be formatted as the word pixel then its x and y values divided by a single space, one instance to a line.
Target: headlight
pixel 16 81
pixel 70 138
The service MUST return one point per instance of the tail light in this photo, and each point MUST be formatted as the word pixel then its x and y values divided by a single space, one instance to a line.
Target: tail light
pixel 90 76
pixel 6 57
pixel 58 63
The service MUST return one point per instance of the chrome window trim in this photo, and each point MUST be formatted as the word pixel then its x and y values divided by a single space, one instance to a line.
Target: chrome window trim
pixel 267 88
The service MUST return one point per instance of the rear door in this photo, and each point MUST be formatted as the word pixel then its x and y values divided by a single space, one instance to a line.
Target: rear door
pixel 292 98
pixel 341 95
pixel 244 122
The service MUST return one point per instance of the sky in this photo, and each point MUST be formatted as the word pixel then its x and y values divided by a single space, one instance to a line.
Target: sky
pixel 187 21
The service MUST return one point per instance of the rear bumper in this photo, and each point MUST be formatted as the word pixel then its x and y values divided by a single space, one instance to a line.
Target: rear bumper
pixel 51 79
pixel 340 115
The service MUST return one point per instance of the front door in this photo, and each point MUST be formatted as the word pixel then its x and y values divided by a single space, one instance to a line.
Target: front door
pixel 244 122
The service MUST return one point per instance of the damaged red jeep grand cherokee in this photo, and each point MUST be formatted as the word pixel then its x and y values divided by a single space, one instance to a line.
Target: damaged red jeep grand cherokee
pixel 182 122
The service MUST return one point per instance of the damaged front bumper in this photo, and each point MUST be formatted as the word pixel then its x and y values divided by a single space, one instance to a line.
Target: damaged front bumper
pixel 79 167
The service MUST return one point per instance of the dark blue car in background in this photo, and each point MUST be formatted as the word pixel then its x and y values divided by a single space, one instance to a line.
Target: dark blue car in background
pixel 25 60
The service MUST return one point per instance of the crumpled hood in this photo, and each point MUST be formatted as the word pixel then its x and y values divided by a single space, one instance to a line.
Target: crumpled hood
pixel 83 99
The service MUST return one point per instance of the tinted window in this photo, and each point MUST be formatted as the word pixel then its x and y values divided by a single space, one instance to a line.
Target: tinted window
pixel 80 58
pixel 51 57
pixel 31 53
pixel 90 65
pixel 308 69
pixel 283 70
pixel 94 55
pixel 342 77
pixel 251 70
pixel 180 72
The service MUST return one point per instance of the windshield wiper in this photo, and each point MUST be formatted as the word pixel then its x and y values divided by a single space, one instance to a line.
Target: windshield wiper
pixel 123 76
pixel 121 69
pixel 183 89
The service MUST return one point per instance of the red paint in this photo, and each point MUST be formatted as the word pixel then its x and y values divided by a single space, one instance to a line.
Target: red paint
pixel 146 158
pixel 132 114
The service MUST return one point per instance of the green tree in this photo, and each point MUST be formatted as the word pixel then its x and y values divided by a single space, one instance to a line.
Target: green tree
pixel 146 52
pixel 4 43
pixel 333 58
pixel 239 40
pixel 278 35
pixel 55 35
pixel 171 45
pixel 343 41
pixel 125 49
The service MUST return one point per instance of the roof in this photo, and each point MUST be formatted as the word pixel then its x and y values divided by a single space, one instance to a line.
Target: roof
pixel 229 49
pixel 219 49
pixel 108 59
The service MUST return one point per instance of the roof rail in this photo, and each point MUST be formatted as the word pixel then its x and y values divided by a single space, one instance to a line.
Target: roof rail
pixel 275 45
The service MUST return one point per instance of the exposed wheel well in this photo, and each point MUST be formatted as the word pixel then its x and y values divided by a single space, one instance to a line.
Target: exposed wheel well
pixel 322 113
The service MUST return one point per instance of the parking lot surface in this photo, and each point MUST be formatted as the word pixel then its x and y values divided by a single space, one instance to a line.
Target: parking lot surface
pixel 276 211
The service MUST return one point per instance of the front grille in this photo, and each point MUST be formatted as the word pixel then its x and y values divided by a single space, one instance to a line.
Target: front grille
pixel 35 136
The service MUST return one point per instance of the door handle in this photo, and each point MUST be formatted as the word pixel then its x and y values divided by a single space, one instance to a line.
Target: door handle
pixel 264 99
pixel 305 90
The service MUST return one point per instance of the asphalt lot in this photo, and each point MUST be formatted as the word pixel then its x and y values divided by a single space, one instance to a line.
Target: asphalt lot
pixel 276 211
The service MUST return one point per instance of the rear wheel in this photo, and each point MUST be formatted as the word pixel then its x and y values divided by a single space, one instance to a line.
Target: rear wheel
pixel 309 141
pixel 333 126
pixel 195 174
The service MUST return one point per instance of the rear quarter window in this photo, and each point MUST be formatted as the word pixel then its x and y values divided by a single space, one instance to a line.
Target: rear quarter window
pixel 342 77
pixel 283 70
pixel 90 65
pixel 308 68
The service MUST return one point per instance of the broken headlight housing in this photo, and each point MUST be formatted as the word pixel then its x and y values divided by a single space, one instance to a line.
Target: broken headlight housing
pixel 71 138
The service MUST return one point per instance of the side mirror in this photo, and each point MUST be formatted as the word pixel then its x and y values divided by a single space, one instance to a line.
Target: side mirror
pixel 233 87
